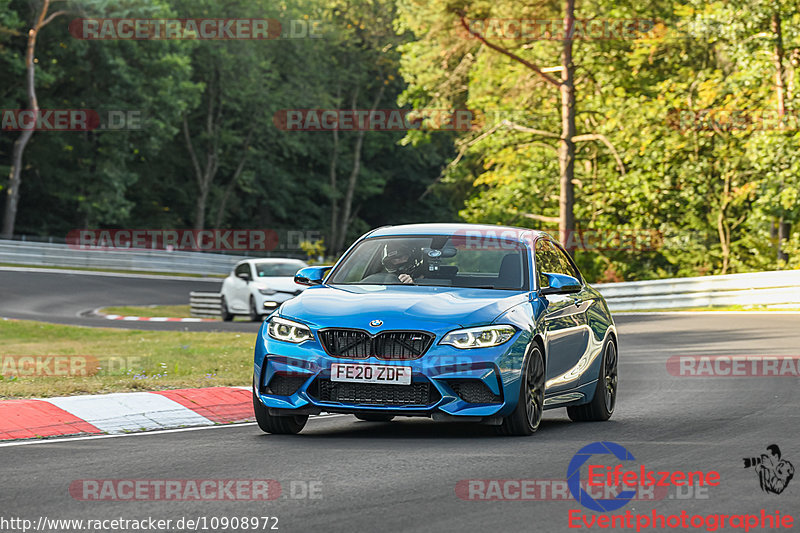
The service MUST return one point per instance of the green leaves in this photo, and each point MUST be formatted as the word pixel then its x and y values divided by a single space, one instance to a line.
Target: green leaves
pixel 712 188
pixel 689 109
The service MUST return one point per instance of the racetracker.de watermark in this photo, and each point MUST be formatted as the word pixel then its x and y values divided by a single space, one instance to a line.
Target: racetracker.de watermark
pixel 53 365
pixel 175 489
pixel 210 240
pixel 732 120
pixel 71 119
pixel 137 490
pixel 375 120
pixel 142 523
pixel 558 490
pixel 731 366
pixel 213 29
pixel 47 365
pixel 622 239
pixel 555 30
pixel 452 365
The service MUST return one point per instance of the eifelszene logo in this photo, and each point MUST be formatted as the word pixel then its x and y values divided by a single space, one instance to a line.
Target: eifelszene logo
pixel 774 473
pixel 600 475
pixel 574 476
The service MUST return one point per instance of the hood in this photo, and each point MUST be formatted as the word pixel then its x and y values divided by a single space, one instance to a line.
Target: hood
pixel 399 307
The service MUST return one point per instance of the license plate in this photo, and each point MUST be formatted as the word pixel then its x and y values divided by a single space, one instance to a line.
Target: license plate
pixel 353 373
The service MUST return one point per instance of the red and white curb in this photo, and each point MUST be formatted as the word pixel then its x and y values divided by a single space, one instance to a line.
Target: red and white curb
pixel 124 412
pixel 155 318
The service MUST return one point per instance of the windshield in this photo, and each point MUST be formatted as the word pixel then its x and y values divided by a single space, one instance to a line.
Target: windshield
pixel 265 270
pixel 448 261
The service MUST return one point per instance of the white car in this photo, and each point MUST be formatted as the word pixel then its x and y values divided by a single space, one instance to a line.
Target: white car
pixel 256 287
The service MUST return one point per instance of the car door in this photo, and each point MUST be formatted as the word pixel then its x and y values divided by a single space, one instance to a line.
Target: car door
pixel 566 330
pixel 240 288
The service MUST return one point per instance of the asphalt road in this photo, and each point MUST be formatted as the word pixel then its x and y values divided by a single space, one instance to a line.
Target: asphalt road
pixel 401 476
pixel 70 298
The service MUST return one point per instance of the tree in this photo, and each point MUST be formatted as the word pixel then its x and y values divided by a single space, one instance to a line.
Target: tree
pixel 41 19
pixel 237 79
pixel 366 52
pixel 469 12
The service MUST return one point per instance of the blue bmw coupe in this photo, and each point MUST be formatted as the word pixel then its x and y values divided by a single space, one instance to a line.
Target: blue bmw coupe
pixel 459 322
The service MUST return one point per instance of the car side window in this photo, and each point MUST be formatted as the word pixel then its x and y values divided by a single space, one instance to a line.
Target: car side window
pixel 244 268
pixel 565 265
pixel 544 261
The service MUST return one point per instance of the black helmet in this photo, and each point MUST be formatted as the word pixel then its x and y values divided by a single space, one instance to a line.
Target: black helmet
pixel 397 250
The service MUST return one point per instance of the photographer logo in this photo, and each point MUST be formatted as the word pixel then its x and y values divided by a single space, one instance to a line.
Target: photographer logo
pixel 774 473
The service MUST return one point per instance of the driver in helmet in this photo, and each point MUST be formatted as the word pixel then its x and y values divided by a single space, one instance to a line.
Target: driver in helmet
pixel 404 261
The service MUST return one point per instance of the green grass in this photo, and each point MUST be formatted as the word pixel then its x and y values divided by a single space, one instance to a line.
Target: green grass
pixel 178 311
pixel 121 359
pixel 175 311
pixel 117 271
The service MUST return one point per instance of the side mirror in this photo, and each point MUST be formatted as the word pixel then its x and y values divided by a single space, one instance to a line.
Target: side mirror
pixel 311 275
pixel 244 275
pixel 560 284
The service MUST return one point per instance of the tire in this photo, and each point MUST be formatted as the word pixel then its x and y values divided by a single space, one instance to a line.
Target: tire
pixel 602 405
pixel 527 414
pixel 375 418
pixel 253 313
pixel 224 311
pixel 282 425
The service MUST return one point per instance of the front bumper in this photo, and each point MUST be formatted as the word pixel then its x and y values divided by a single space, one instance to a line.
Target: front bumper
pixel 267 303
pixel 446 381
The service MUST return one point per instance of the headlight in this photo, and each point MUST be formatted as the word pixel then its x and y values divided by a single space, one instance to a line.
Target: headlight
pixel 287 330
pixel 482 337
pixel 267 291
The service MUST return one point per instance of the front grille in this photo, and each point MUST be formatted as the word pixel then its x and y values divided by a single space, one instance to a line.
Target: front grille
pixel 474 391
pixel 346 343
pixel 281 385
pixel 391 345
pixel 422 393
pixel 401 344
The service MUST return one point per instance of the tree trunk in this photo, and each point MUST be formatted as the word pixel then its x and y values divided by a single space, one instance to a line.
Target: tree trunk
pixel 347 205
pixel 723 228
pixel 205 176
pixel 566 151
pixel 232 183
pixel 14 182
pixel 777 58
pixel 15 174
pixel 724 241
pixel 334 192
pixel 200 210
pixel 223 203
pixel 334 187
pixel 784 229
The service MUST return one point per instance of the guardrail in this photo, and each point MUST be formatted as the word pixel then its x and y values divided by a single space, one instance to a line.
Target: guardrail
pixel 48 254
pixel 772 289
pixel 205 304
